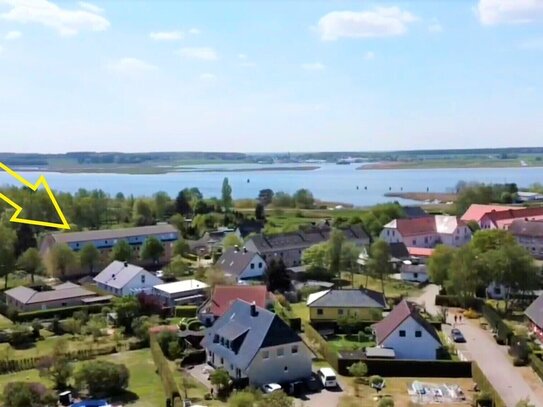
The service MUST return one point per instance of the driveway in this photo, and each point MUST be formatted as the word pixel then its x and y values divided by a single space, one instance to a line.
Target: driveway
pixel 428 299
pixel 324 398
pixel 494 361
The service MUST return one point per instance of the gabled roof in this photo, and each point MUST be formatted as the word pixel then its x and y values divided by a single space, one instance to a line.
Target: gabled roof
pixel 27 295
pixel 224 295
pixel 397 316
pixel 442 224
pixel 535 311
pixel 503 219
pixel 398 250
pixel 234 261
pixel 412 212
pixel 530 228
pixel 118 274
pixel 476 211
pixel 347 298
pixel 249 332
pixel 92 235
pixel 420 251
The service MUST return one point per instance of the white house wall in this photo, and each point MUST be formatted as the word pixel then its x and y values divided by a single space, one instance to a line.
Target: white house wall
pixel 411 347
pixel 136 284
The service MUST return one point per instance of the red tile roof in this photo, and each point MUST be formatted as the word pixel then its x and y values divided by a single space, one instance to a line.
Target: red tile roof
pixel 503 219
pixel 224 295
pixel 417 226
pixel 397 316
pixel 420 251
pixel 476 211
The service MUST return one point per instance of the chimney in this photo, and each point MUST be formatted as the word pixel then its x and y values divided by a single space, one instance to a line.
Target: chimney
pixel 126 264
pixel 244 249
pixel 253 309
pixel 236 248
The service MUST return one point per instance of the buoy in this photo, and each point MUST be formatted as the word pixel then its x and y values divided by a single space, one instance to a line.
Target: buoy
pixel 357 187
pixel 248 180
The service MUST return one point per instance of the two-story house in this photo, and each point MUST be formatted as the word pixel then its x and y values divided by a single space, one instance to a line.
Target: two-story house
pixel 427 231
pixel 504 219
pixel 256 347
pixel 330 305
pixel 529 234
pixel 241 264
pixel 407 333
pixel 122 279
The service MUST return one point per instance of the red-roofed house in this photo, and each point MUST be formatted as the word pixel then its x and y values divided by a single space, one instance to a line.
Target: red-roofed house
pixel 476 211
pixel 504 219
pixel 420 252
pixel 224 295
pixel 406 332
pixel 427 232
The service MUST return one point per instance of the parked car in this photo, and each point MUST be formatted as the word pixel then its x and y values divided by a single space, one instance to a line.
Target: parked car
pixel 328 377
pixel 457 336
pixel 270 388
pixel 295 388
pixel 313 384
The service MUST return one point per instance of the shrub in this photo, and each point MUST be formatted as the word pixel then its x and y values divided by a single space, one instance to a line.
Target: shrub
pixel 23 394
pixel 471 314
pixel 186 311
pixel 386 402
pixel 101 377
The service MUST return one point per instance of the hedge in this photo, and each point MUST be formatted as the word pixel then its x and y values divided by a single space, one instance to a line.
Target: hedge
pixel 186 311
pixel 458 302
pixel 537 365
pixel 166 375
pixel 408 368
pixel 484 385
pixel 62 313
pixel 503 332
pixel 324 347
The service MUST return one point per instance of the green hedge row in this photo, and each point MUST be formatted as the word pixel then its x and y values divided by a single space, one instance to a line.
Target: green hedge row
pixel 408 368
pixel 166 375
pixel 537 365
pixel 458 302
pixel 62 313
pixel 503 332
pixel 324 347
pixel 484 385
pixel 186 311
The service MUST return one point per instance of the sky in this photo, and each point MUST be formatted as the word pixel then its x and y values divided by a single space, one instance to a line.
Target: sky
pixel 270 76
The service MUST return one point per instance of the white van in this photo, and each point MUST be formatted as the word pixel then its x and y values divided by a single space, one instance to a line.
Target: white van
pixel 327 377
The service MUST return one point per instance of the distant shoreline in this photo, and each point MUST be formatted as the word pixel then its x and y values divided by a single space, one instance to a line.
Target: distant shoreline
pixel 447 164
pixel 424 196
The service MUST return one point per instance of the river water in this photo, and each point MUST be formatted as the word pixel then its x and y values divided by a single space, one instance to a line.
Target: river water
pixel 331 182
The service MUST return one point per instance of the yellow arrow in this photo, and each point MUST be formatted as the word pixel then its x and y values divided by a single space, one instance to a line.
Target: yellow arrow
pixel 33 187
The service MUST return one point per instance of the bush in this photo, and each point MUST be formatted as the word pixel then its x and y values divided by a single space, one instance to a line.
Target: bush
pixel 102 378
pixel 186 311
pixel 23 394
pixel 471 314
pixel 62 313
pixel 519 361
pixel 386 402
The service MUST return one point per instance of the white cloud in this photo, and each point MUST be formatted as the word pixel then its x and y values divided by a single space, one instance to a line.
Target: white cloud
pixel 492 12
pixel 369 56
pixel 194 31
pixel 208 77
pixel 90 7
pixel 379 22
pixel 314 66
pixel 435 27
pixel 167 35
pixel 13 35
pixel 65 22
pixel 131 66
pixel 201 53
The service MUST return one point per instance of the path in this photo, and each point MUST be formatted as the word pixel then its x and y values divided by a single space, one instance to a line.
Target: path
pixel 428 299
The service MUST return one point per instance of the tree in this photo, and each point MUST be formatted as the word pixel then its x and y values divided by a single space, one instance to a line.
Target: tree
pixel 178 221
pixel 182 203
pixel 386 402
pixel 127 308
pixel 27 394
pixel 260 212
pixel 282 200
pixel 100 377
pixel 8 241
pixel 143 213
pixel 181 248
pixel 57 366
pixel 141 325
pixel 121 251
pixel 152 249
pixel 439 264
pixel 379 264
pixel 30 261
pixel 242 399
pixel 303 198
pixel 276 399
pixel 464 280
pixel 215 276
pixel 276 276
pixel 61 259
pixel 89 257
pixel 221 379
pixel 232 240
pixel 226 195
pixel 358 370
pixel 162 201
pixel 316 257
pixel 25 239
pixel 177 268
pixel 337 238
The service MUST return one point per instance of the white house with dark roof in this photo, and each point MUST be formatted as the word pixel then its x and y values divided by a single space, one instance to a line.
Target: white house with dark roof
pixel 185 292
pixel 407 333
pixel 126 279
pixel 241 264
pixel 256 346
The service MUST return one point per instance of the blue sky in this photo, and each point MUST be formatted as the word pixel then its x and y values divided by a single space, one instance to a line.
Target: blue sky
pixel 255 76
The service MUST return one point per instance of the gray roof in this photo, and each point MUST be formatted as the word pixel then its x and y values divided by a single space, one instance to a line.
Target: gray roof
pixel 304 239
pixel 350 298
pixel 248 333
pixel 92 235
pixel 384 353
pixel 234 261
pixel 535 311
pixel 27 295
pixel 118 274
pixel 526 228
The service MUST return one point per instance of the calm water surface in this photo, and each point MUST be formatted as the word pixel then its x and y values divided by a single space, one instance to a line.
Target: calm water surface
pixel 330 182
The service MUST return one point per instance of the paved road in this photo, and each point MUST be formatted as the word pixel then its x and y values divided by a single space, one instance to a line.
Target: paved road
pixel 495 363
pixel 428 299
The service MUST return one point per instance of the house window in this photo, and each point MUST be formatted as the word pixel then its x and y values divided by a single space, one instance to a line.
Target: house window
pixel 319 311
pixel 295 349
pixel 414 242
pixel 252 266
pixel 402 333
pixel 231 367
pixel 265 354
pixel 418 334
pixel 280 352
pixel 340 311
pixel 64 304
pixel 222 361
pixel 286 369
pixel 416 275
pixel 143 278
pixel 260 265
pixel 426 240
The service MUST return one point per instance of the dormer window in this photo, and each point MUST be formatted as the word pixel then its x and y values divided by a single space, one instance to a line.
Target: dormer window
pixel 143 278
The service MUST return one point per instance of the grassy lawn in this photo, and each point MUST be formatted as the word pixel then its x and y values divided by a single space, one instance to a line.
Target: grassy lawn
pixel 196 391
pixel 348 342
pixel 397 389
pixel 5 323
pixel 392 287
pixel 300 310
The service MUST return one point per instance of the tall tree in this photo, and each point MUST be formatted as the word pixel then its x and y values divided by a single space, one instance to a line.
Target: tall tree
pixel 152 249
pixel 337 238
pixel 260 212
pixel 30 261
pixel 464 280
pixel 8 240
pixel 232 240
pixel 303 198
pixel 121 251
pixel 89 257
pixel 379 264
pixel 61 259
pixel 181 248
pixel 143 213
pixel 439 264
pixel 25 239
pixel 182 203
pixel 226 195
pixel 127 308
pixel 276 276
pixel 162 200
